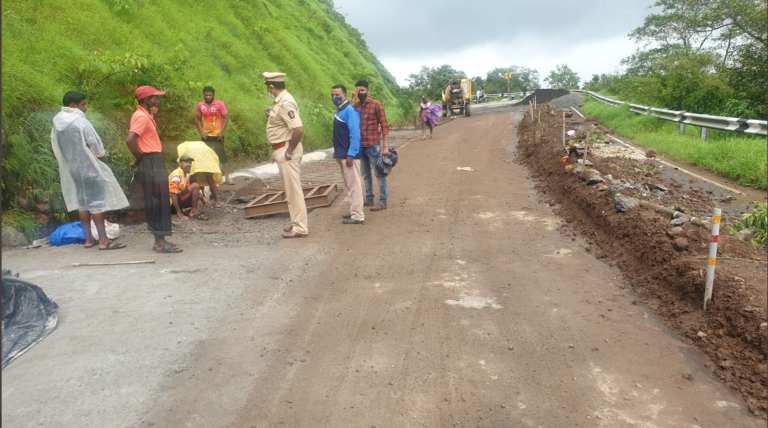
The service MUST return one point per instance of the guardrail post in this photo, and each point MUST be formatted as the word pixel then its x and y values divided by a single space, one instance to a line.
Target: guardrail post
pixel 704 132
pixel 682 129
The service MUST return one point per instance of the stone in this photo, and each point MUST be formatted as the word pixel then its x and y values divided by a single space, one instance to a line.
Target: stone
pixel 746 234
pixel 601 187
pixel 568 168
pixel 577 169
pixel 675 232
pixel 623 203
pixel 587 162
pixel 727 198
pixel 680 221
pixel 13 238
pixel 591 176
pixel 680 244
pixel 660 187
pixel 650 153
pixel 616 188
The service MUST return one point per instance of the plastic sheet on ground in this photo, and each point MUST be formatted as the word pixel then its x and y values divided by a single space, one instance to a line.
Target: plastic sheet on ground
pixel 29 315
pixel 205 158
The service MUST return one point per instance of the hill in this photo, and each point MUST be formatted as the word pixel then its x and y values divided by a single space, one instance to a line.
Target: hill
pixel 106 48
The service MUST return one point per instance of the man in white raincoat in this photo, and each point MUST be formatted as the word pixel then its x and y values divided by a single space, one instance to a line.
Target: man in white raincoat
pixel 87 182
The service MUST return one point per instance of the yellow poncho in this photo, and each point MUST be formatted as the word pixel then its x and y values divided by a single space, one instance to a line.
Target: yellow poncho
pixel 205 158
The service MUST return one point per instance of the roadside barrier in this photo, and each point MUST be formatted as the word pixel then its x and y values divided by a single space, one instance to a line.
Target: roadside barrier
pixel 705 121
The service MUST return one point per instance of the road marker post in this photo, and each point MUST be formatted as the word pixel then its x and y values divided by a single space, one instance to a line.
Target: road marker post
pixel 539 119
pixel 586 149
pixel 712 261
pixel 563 129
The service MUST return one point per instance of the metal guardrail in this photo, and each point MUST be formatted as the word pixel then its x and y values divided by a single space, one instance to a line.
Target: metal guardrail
pixel 705 121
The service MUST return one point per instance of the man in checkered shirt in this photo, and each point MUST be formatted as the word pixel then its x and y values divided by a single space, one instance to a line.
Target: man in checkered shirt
pixel 373 124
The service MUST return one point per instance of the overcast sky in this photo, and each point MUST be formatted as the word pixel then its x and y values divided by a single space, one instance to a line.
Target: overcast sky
pixel 479 35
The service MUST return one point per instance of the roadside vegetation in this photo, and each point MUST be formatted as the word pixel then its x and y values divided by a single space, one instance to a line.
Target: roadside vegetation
pixel 736 156
pixel 757 220
pixel 708 57
pixel 106 48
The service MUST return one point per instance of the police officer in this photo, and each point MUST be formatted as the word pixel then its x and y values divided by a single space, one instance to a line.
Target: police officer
pixel 284 130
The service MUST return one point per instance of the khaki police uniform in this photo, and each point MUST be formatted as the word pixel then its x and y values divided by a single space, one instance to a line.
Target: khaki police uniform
pixel 282 119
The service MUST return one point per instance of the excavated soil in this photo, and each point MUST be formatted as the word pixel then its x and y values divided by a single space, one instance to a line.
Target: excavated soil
pixel 731 334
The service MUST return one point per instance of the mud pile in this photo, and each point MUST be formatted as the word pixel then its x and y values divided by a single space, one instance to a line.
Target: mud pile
pixel 544 96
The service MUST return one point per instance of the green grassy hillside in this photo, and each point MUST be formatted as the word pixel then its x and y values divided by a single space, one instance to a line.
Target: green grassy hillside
pixel 106 48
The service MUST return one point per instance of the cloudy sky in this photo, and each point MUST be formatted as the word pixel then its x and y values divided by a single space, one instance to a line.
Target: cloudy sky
pixel 479 35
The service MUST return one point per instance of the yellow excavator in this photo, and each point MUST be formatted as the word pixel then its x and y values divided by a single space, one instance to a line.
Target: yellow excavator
pixel 457 97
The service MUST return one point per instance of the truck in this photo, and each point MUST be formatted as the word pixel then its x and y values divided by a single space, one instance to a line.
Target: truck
pixel 457 97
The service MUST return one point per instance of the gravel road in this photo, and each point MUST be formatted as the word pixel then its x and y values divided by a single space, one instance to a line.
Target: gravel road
pixel 460 305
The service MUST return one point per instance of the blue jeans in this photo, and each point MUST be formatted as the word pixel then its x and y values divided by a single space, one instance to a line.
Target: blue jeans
pixel 371 155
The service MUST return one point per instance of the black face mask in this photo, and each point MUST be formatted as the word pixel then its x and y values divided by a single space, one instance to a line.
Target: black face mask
pixel 362 97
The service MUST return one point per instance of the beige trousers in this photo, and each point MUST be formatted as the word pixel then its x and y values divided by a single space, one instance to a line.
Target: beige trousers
pixel 290 171
pixel 354 185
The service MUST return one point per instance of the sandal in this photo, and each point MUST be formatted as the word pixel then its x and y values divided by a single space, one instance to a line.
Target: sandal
pixel 200 216
pixel 168 248
pixel 112 245
pixel 92 245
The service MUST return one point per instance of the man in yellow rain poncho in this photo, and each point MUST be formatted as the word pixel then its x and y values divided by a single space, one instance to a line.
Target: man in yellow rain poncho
pixel 205 169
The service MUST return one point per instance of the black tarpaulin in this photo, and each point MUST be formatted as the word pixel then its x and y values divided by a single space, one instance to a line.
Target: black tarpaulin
pixel 29 315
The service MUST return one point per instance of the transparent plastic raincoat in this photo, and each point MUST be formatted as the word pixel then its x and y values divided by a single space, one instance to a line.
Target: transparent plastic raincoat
pixel 86 182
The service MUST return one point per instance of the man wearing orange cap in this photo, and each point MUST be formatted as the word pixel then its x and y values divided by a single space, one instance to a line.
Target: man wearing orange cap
pixel 147 150
pixel 284 130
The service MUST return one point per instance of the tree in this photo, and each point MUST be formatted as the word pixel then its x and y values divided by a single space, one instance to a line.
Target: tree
pixel 524 79
pixel 433 81
pixel 563 77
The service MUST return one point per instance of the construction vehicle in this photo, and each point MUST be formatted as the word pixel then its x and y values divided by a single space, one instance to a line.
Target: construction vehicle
pixel 457 97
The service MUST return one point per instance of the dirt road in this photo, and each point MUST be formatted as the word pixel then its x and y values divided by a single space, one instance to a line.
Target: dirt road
pixel 460 305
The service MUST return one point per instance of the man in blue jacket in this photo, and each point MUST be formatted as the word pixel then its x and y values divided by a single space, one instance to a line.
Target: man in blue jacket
pixel 346 150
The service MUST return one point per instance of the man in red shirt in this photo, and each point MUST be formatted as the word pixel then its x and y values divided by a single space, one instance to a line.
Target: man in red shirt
pixel 212 121
pixel 373 124
pixel 147 150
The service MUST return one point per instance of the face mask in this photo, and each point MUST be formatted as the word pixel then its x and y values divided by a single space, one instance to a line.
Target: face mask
pixel 362 97
pixel 153 110
pixel 338 100
pixel 271 95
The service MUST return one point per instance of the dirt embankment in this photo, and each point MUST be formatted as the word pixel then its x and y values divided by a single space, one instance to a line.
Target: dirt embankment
pixel 669 276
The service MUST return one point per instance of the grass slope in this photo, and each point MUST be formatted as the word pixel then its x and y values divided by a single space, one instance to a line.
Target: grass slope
pixel 94 46
pixel 736 156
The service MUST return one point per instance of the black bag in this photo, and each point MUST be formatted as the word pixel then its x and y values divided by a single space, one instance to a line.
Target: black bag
pixel 385 163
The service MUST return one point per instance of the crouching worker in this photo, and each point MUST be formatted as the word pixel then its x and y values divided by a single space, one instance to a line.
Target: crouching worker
pixel 205 170
pixel 184 194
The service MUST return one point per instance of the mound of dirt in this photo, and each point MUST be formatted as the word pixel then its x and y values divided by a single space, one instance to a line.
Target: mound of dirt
pixel 665 267
pixel 544 96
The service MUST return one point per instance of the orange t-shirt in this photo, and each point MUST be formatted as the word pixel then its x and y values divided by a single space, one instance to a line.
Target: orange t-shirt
pixel 143 124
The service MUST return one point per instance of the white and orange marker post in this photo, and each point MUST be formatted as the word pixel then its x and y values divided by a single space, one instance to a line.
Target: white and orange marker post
pixel 539 119
pixel 712 260
pixel 563 129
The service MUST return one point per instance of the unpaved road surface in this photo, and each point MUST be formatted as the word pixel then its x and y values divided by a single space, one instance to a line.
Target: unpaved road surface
pixel 460 305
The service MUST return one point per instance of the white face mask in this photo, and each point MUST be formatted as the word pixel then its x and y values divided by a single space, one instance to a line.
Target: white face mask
pixel 271 95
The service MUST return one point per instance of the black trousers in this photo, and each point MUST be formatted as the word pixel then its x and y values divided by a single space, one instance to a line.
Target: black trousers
pixel 153 177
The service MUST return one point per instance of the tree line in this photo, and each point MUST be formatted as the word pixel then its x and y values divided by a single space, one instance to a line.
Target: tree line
pixel 700 56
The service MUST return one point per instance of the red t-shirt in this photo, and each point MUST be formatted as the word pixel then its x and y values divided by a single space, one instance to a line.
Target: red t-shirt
pixel 212 116
pixel 143 124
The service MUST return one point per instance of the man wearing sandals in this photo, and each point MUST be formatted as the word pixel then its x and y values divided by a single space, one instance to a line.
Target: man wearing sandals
pixel 87 183
pixel 184 194
pixel 147 150
pixel 284 130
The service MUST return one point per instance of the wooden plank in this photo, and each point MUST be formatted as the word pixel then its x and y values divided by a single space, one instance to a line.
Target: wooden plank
pixel 271 203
